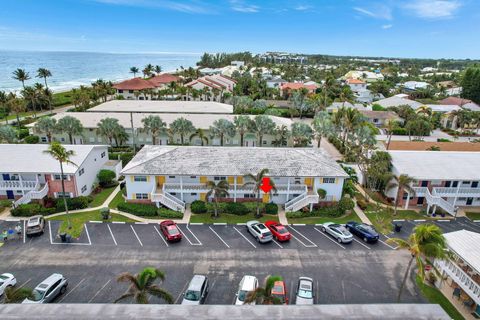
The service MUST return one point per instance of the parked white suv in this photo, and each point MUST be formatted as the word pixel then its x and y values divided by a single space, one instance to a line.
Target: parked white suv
pixel 259 231
pixel 49 289
pixel 247 284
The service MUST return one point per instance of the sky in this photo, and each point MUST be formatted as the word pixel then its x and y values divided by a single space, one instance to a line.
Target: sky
pixel 391 28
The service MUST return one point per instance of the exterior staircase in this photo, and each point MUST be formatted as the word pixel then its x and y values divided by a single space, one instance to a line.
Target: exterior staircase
pixel 33 194
pixel 302 201
pixel 161 196
pixel 435 200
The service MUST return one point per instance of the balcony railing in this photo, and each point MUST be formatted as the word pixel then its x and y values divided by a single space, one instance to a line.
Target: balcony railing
pixel 461 278
pixel 196 187
pixel 460 192
pixel 18 185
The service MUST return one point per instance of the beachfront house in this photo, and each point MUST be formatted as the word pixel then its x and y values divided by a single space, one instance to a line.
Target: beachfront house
pixel 175 176
pixel 380 118
pixel 145 89
pixel 444 179
pixel 28 173
pixel 211 88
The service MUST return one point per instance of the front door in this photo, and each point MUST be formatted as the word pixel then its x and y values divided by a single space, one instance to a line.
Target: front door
pixel 6 176
pixel 10 195
pixel 475 184
pixel 160 180
pixel 420 200
pixel 469 201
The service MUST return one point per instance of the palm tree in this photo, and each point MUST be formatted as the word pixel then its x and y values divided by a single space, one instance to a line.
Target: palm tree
pixel 154 126
pixel 425 242
pixel 48 98
pixel 142 286
pixel 3 105
pixel 352 118
pixel 21 75
pixel 182 127
pixel 106 127
pixel 264 295
pixel 17 105
pixel 281 136
pixel 390 128
pixel 201 135
pixel 17 295
pixel 262 125
pixel 71 126
pixel 426 111
pixel 302 134
pixel 322 126
pixel 134 70
pixel 120 135
pixel 158 69
pixel 147 71
pixel 242 125
pixel 217 190
pixel 32 95
pixel 62 155
pixel 403 183
pixel 44 73
pixel 222 128
pixel 8 134
pixel 47 125
pixel 256 181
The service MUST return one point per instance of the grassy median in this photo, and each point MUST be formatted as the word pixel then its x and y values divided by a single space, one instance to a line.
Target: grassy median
pixel 229 218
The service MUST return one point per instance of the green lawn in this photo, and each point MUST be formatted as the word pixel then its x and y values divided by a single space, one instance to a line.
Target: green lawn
pixel 79 219
pixel 62 98
pixel 382 217
pixel 473 215
pixel 100 197
pixel 116 200
pixel 315 220
pixel 433 295
pixel 229 218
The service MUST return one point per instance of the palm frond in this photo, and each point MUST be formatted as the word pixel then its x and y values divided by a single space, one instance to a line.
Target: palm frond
pixel 161 293
pixel 124 296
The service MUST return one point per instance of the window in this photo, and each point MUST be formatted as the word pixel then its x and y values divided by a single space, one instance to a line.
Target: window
pixel 61 195
pixel 328 180
pixel 264 142
pixel 465 182
pixel 475 184
pixel 120 91
pixel 171 177
pixel 219 178
pixel 44 139
pixel 57 177
pixel 193 194
pixel 141 196
pixel 62 139
pixel 140 178
pixel 193 177
pixel 424 184
pixel 448 184
pixel 405 196
pixel 103 154
pixel 130 91
pixel 91 139
pixel 84 188
pixel 455 184
pixel 82 171
pixel 249 195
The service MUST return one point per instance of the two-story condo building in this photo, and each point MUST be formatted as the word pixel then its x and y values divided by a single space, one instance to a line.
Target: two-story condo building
pixel 444 179
pixel 175 176
pixel 28 173
pixel 144 89
pixel 163 106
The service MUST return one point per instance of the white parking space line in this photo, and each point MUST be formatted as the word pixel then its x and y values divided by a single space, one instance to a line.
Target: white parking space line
pixel 219 237
pixel 196 223
pixel 181 292
pixel 387 244
pixel 136 235
pixel 111 233
pixel 88 235
pixel 94 221
pixel 220 224
pixel 24 231
pixel 329 238
pixel 70 291
pixel 244 237
pixel 188 239
pixel 312 245
pixel 161 237
pixel 199 243
pixel 23 284
pixel 96 294
pixel 50 231
pixel 444 220
pixel 361 243
pixel 278 244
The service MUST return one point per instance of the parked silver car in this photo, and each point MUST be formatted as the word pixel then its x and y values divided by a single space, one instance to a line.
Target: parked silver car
pixel 35 225
pixel 338 231
pixel 259 231
pixel 197 290
pixel 6 280
pixel 305 293
pixel 49 289
pixel 247 284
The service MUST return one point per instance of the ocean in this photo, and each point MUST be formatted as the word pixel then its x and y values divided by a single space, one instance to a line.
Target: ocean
pixel 73 69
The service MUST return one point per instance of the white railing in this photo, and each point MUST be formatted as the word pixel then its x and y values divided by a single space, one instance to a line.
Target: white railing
pixel 460 192
pixel 167 199
pixel 467 284
pixel 17 185
pixel 34 194
pixel 294 200
pixel 200 187
pixel 434 199
pixel 309 199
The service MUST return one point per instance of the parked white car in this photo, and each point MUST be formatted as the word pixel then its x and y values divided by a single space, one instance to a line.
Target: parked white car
pixel 6 280
pixel 49 289
pixel 305 293
pixel 247 284
pixel 259 231
pixel 338 231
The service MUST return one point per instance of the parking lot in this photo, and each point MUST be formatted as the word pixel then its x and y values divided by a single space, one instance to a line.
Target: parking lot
pixel 343 273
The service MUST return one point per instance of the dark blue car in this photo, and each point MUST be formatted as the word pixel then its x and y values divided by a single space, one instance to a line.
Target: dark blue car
pixel 362 230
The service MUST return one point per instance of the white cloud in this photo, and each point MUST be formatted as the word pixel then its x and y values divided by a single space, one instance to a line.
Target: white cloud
pixel 432 9
pixel 192 7
pixel 379 12
pixel 241 6
pixel 387 26
pixel 303 8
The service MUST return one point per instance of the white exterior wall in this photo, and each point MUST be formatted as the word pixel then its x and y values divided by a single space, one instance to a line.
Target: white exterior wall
pixel 138 186
pixel 332 189
pixel 92 165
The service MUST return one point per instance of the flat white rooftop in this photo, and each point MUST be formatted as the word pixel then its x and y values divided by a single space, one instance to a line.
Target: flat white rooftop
pixel 31 158
pixel 437 165
pixel 233 161
pixel 162 106
pixel 465 244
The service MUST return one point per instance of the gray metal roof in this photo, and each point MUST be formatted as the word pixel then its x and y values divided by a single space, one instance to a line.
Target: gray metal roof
pixel 233 161
pixel 163 106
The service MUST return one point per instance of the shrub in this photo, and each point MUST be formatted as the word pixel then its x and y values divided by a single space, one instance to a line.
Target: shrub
pixel 126 157
pixel 5 203
pixel 31 209
pixel 377 107
pixel 31 139
pixel 322 193
pixel 345 204
pixel 297 214
pixel 362 204
pixel 73 203
pixel 198 206
pixel 236 208
pixel 169 214
pixel 138 209
pixel 400 132
pixel 22 133
pixel 105 212
pixel 222 207
pixel 106 177
pixel 271 208
pixel 443 140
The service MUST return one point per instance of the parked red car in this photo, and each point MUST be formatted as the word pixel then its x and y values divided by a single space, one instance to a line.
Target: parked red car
pixel 170 231
pixel 280 233
pixel 279 291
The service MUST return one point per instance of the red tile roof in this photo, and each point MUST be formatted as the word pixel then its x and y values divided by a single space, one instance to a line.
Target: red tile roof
pixel 355 81
pixel 164 79
pixel 134 84
pixel 297 85
pixel 455 101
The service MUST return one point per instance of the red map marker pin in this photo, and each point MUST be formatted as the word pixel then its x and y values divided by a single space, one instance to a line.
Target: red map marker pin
pixel 266 186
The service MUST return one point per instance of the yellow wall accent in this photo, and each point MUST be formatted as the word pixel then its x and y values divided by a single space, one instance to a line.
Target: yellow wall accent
pixel 133 196
pixel 240 180
pixel 203 196
pixel 132 178
pixel 230 180
pixel 308 181
pixel 266 198
pixel 160 179
pixel 337 180
pixel 148 178
pixel 203 179
pixel 334 198
pixel 148 195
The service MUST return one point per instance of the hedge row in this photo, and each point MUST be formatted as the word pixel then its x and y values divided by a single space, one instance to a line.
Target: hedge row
pixel 334 211
pixel 236 208
pixel 146 210
pixel 31 209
